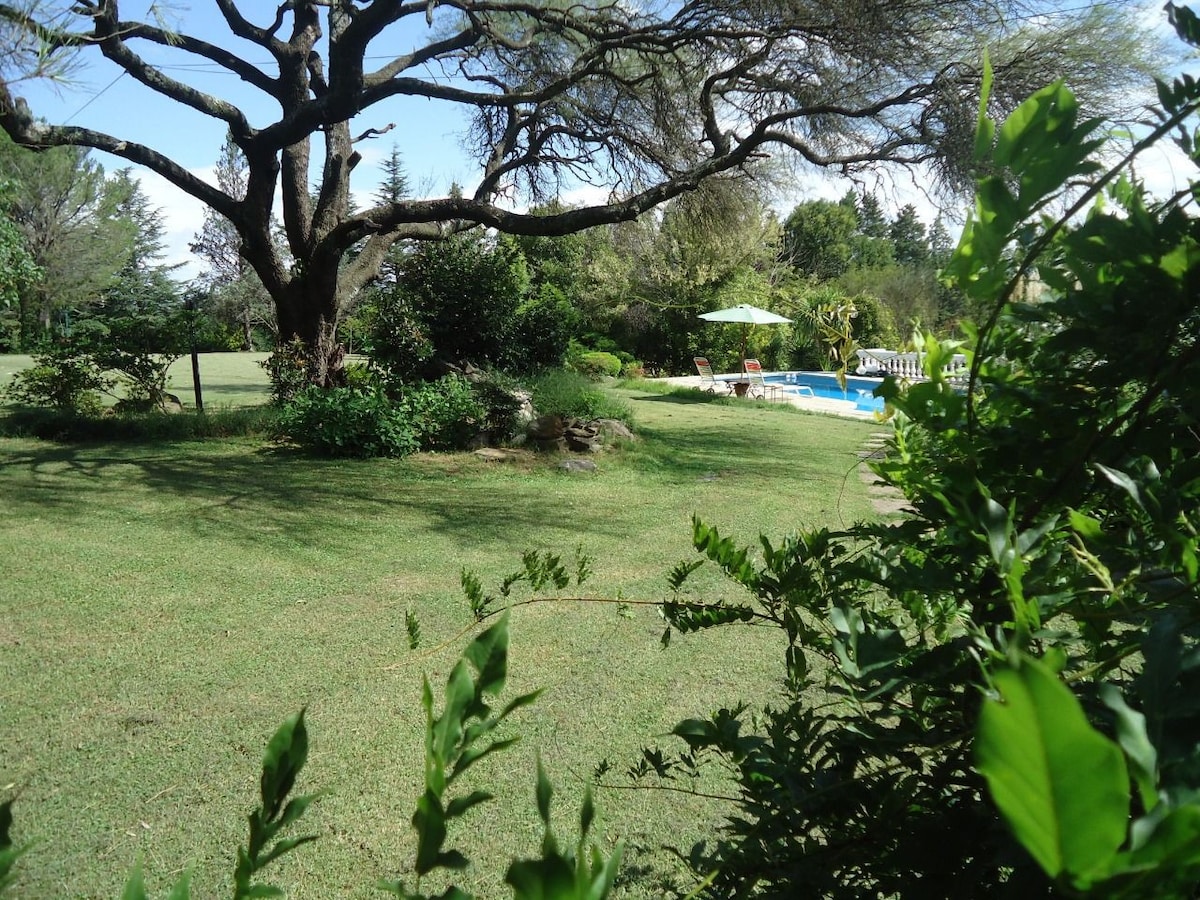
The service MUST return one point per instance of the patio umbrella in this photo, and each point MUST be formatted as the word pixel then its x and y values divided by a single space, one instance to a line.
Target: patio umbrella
pixel 747 316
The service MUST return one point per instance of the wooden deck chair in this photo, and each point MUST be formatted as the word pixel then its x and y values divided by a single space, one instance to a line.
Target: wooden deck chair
pixel 759 388
pixel 708 381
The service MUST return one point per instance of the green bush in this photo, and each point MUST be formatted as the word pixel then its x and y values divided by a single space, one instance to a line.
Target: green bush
pixel 559 392
pixel 499 396
pixel 348 422
pixel 63 380
pixel 289 369
pixel 596 363
pixel 445 414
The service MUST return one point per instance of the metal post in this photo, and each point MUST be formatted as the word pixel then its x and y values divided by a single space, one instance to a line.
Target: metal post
pixel 190 305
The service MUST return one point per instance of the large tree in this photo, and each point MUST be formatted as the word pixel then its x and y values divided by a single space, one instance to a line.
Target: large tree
pixel 72 225
pixel 648 99
pixel 235 294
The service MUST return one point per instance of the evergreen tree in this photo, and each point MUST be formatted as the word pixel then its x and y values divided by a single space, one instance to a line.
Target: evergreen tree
pixel 872 222
pixel 217 242
pixel 395 186
pixel 909 242
pixel 71 228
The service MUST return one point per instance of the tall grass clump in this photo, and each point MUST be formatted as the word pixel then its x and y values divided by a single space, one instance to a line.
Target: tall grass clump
pixel 564 393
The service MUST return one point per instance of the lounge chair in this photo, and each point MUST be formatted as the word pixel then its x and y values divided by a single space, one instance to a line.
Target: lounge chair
pixel 759 388
pixel 708 381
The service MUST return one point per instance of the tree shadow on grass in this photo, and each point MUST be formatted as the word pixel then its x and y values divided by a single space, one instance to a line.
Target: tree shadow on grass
pixel 278 496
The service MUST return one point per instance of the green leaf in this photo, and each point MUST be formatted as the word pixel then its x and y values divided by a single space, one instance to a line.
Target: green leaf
pixel 1123 481
pixel 1134 740
pixel 551 878
pixel 1060 785
pixel 285 846
pixel 263 890
pixel 488 653
pixel 430 824
pixel 448 728
pixel 6 822
pixel 1085 526
pixel 284 758
pixel 182 889
pixel 1163 651
pixel 135 887
pixel 1174 842
pixel 587 812
pixel 472 755
pixel 606 875
pixel 985 128
pixel 997 526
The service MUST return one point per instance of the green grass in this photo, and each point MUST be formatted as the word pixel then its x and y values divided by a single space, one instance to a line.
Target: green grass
pixel 164 606
pixel 226 379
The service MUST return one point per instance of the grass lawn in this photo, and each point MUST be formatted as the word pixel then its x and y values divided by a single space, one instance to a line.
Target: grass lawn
pixel 163 607
pixel 226 379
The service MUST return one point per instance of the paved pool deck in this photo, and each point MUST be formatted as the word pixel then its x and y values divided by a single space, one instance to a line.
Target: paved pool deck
pixel 813 404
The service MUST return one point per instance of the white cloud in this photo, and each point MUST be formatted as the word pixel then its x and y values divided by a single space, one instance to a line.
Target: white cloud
pixel 183 215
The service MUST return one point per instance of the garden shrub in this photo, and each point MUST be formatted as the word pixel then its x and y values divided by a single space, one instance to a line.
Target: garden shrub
pixel 396 338
pixel 345 422
pixel 446 414
pixel 290 370
pixel 596 363
pixel 97 358
pixel 61 379
pixel 1017 654
pixel 564 393
pixel 540 330
pixel 500 396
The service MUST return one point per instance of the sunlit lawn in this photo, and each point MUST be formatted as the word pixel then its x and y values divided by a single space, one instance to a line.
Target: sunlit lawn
pixel 163 607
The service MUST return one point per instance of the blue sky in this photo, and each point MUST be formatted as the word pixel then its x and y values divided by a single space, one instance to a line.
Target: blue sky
pixel 427 133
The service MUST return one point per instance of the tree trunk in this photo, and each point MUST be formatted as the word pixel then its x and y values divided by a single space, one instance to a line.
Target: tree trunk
pixel 307 310
pixel 247 327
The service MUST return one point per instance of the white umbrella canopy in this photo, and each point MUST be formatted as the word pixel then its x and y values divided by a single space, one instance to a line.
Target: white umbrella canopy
pixel 747 316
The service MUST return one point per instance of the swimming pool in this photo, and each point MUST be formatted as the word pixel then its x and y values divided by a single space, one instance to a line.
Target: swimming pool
pixel 824 385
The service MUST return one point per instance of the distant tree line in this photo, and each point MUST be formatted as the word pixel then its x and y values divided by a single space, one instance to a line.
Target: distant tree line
pixel 86 250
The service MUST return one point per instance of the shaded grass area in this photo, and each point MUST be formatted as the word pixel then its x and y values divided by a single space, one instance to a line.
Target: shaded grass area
pixel 163 606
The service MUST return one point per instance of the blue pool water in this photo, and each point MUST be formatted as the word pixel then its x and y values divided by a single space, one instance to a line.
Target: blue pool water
pixel 824 384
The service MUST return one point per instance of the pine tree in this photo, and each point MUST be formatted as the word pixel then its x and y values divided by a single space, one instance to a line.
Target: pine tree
pixel 395 185
pixel 217 241
pixel 911 247
pixel 872 222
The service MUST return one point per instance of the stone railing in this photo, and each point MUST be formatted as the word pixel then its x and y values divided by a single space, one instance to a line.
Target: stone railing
pixel 909 366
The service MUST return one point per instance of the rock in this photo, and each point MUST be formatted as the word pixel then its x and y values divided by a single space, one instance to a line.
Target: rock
pixel 525 414
pixel 577 465
pixel 613 429
pixel 496 454
pixel 581 437
pixel 546 428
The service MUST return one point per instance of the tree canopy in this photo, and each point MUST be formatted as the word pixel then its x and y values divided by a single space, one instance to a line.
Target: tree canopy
pixel 648 100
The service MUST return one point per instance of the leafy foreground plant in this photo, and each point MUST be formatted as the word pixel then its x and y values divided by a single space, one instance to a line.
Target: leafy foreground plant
pixel 1050 567
pixel 455 740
